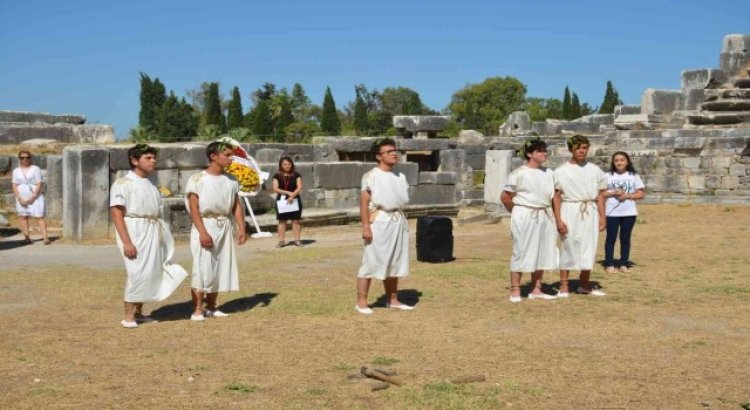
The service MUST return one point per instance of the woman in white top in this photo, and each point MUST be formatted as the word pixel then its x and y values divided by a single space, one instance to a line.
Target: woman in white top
pixel 27 188
pixel 624 187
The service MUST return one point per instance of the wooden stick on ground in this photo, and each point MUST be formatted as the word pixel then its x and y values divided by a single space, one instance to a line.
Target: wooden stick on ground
pixel 380 376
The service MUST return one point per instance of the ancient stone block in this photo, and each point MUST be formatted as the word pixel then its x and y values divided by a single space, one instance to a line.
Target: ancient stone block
pixel 53 194
pixel 425 145
pixel 300 152
pixel 734 54
pixel 626 110
pixel 353 144
pixel 702 78
pixel 660 101
pixel 167 178
pixel 586 128
pixel 5 162
pixel 712 181
pixel 340 175
pixel 410 169
pixel 497 168
pixel 432 195
pixel 268 155
pixel 183 156
pixel 325 153
pixel 85 192
pixel 470 137
pixel 40 118
pixel 696 182
pixel 438 178
pixel 453 160
pixel 738 170
pixel 689 143
pixel 730 182
pixel 691 163
pixel 476 162
pixel 416 123
pixel 519 121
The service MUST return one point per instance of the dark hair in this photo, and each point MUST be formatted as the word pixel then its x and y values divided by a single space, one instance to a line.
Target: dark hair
pixel 630 168
pixel 380 143
pixel 577 140
pixel 23 151
pixel 215 148
pixel 138 151
pixel 285 158
pixel 531 145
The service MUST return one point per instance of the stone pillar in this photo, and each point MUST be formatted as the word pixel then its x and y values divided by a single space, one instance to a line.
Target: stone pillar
pixel 496 171
pixel 54 187
pixel 85 192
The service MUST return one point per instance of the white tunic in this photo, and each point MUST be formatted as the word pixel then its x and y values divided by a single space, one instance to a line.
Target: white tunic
pixel 532 224
pixel 25 179
pixel 215 269
pixel 580 186
pixel 388 253
pixel 151 275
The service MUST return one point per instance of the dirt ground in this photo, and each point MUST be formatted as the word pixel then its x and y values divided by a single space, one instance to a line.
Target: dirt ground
pixel 674 333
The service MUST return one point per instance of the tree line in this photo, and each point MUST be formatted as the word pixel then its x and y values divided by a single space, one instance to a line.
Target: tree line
pixel 278 115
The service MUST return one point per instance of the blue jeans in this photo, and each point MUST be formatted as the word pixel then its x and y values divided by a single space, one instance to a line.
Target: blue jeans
pixel 625 225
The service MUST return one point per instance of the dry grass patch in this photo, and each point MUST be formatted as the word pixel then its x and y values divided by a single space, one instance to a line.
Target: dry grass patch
pixel 672 334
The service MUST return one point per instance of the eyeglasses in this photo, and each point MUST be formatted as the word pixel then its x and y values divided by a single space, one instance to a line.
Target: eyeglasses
pixel 390 151
pixel 24 157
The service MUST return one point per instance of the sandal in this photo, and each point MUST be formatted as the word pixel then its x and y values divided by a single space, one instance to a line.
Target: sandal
pixel 298 244
pixel 47 241
pixel 27 241
pixel 280 244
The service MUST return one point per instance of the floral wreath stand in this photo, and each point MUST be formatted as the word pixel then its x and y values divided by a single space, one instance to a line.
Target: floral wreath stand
pixel 262 176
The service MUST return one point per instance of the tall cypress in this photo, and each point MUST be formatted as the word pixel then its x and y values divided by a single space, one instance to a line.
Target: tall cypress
pixel 262 126
pixel 566 106
pixel 330 122
pixel 170 118
pixel 234 112
pixel 284 118
pixel 361 122
pixel 146 117
pixel 575 107
pixel 213 108
pixel 188 121
pixel 611 98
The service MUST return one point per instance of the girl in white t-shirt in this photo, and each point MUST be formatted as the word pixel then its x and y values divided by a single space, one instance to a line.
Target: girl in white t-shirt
pixel 624 187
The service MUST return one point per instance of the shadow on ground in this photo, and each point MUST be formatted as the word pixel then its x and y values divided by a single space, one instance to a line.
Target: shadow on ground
pixel 406 296
pixel 182 310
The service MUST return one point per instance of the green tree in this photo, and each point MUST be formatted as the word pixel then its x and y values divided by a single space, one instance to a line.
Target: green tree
pixel 586 109
pixel 189 120
pixel 575 107
pixel 489 103
pixel 234 113
pixel 361 121
pixel 152 96
pixel 214 115
pixel 282 115
pixel 330 122
pixel 566 105
pixel 170 117
pixel 300 103
pixel 611 98
pixel 540 109
pixel 261 121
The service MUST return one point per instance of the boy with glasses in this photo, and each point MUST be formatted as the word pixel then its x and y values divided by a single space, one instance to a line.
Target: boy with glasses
pixel 385 231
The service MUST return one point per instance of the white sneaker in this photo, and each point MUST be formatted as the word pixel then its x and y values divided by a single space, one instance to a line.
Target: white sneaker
pixel 402 307
pixel 542 296
pixel 197 318
pixel 515 299
pixel 128 325
pixel 215 313
pixel 364 310
pixel 562 294
pixel 592 292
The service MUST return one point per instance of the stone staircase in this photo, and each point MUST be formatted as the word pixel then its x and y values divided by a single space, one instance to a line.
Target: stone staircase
pixel 725 106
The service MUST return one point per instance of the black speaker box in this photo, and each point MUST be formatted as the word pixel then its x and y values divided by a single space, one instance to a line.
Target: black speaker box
pixel 434 239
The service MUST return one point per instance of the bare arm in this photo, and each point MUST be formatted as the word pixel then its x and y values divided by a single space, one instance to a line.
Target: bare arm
pixel 118 219
pixel 507 199
pixel 600 200
pixel 562 228
pixel 197 219
pixel 18 195
pixel 277 189
pixel 239 217
pixel 298 190
pixel 364 215
pixel 638 194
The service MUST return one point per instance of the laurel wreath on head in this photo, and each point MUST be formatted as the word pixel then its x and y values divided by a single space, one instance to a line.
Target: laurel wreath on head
pixel 525 146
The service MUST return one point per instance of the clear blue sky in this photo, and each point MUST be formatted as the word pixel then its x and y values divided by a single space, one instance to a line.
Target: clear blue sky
pixel 83 57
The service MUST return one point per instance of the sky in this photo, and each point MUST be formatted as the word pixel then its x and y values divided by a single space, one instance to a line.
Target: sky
pixel 84 57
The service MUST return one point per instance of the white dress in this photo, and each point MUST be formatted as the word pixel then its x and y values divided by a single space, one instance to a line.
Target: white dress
pixel 25 181
pixel 215 269
pixel 532 224
pixel 580 186
pixel 151 275
pixel 388 253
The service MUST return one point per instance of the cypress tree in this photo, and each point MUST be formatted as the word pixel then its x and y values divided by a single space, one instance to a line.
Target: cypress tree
pixel 361 122
pixel 566 106
pixel 261 120
pixel 188 121
pixel 234 112
pixel 146 117
pixel 213 108
pixel 300 102
pixel 284 118
pixel 575 107
pixel 170 118
pixel 329 122
pixel 611 98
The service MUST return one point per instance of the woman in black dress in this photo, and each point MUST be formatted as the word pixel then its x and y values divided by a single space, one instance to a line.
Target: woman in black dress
pixel 288 184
